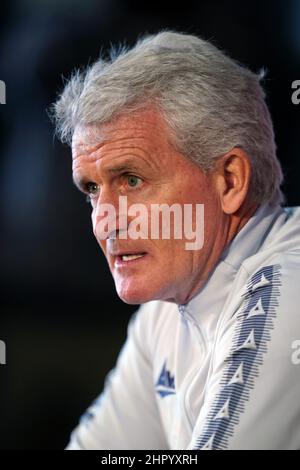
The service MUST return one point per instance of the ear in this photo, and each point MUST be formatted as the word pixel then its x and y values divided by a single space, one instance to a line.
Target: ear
pixel 232 179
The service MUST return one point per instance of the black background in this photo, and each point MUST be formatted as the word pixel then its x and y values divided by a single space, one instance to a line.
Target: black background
pixel 61 319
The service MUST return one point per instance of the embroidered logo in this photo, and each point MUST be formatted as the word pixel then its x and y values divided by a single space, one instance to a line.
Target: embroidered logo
pixel 165 384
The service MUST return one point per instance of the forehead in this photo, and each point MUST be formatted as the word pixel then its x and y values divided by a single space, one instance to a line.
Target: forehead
pixel 145 129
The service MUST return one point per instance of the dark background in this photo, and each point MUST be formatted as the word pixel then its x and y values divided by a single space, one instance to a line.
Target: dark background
pixel 60 316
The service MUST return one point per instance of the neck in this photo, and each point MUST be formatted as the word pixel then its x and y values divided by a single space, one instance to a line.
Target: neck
pixel 233 223
pixel 238 220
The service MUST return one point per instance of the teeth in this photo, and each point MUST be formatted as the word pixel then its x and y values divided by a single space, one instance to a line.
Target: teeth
pixel 130 257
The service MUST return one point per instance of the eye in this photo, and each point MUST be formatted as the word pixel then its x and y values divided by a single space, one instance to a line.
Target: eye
pixel 133 180
pixel 92 189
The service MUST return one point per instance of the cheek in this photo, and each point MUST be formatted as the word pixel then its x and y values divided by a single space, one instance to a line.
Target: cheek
pixel 170 255
pixel 181 261
pixel 102 244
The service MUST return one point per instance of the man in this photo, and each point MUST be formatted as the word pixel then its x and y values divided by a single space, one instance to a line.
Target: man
pixel 208 362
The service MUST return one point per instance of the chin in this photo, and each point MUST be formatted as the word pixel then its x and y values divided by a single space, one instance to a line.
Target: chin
pixel 134 299
pixel 136 296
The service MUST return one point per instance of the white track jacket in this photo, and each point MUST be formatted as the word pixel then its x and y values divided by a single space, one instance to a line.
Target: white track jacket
pixel 222 371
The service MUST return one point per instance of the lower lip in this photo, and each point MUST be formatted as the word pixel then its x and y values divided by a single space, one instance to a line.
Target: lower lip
pixel 120 263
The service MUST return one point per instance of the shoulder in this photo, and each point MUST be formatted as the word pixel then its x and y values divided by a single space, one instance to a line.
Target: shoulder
pixel 281 269
pixel 265 308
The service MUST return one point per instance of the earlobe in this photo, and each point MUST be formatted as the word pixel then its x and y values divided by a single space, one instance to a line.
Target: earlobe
pixel 234 172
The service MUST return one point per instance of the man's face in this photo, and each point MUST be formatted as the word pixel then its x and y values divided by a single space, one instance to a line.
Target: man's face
pixel 135 159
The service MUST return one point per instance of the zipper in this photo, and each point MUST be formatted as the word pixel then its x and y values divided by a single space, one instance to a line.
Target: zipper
pixel 191 377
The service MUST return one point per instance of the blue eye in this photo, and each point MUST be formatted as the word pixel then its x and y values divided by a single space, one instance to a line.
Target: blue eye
pixel 133 180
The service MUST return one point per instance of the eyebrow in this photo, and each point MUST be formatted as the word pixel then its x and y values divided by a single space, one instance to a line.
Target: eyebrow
pixel 124 167
pixel 80 183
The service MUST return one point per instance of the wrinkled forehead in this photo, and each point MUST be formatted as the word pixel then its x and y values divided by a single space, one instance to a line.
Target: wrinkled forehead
pixel 146 126
pixel 86 138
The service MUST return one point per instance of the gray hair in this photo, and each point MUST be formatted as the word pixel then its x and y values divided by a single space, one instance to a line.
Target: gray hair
pixel 210 103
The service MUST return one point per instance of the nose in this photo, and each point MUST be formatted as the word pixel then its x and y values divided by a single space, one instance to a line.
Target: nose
pixel 109 216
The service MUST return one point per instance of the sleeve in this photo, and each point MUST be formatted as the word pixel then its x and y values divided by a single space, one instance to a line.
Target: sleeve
pixel 252 399
pixel 125 416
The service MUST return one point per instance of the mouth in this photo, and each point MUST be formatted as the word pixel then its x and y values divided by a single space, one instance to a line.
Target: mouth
pixel 124 259
pixel 131 257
